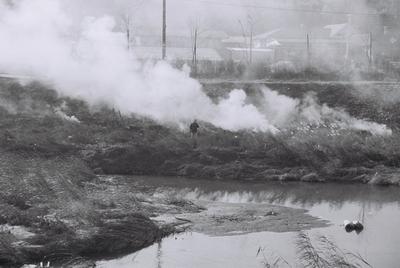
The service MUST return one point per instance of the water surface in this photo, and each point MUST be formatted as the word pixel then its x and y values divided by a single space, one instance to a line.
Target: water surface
pixel 377 207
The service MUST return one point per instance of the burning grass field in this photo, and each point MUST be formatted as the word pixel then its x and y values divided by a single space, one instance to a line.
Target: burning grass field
pixel 342 145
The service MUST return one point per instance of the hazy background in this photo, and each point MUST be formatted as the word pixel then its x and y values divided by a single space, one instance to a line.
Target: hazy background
pixel 225 14
pixel 78 47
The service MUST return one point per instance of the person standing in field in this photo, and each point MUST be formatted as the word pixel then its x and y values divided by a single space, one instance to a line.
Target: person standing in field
pixel 194 127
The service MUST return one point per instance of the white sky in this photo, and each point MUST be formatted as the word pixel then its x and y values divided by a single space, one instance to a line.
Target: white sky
pixel 147 14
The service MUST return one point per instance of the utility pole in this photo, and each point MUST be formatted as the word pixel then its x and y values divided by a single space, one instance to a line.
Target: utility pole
pixel 370 50
pixel 164 30
pixel 245 41
pixel 308 50
pixel 251 44
pixel 251 24
pixel 128 39
pixel 128 32
pixel 194 59
pixel 349 33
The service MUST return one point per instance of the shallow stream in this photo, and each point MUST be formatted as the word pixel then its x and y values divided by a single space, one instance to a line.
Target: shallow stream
pixel 377 207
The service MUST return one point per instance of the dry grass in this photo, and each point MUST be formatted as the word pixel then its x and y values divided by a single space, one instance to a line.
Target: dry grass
pixel 322 253
pixel 326 254
pixel 8 253
pixel 272 260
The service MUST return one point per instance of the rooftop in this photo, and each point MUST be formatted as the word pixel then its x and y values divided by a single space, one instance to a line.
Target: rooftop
pixel 174 53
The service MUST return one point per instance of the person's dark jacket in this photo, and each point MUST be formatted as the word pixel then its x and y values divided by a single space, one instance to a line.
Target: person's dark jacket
pixel 193 127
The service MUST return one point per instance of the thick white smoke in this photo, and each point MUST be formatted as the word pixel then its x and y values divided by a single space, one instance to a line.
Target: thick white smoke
pixel 90 60
pixel 93 63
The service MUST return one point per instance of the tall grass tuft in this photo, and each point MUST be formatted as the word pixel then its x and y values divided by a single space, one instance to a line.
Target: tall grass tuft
pixel 322 253
pixel 8 253
pixel 326 254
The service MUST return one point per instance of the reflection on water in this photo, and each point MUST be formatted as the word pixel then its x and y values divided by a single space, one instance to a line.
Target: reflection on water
pixel 377 207
pixel 198 250
pixel 159 255
pixel 294 193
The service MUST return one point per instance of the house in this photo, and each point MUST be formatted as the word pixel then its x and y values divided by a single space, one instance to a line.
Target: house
pixel 147 45
pixel 288 44
pixel 208 59
pixel 238 48
pixel 176 54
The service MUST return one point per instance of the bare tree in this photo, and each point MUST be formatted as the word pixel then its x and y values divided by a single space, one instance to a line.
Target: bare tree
pixel 127 24
pixel 126 15
pixel 250 22
pixel 194 26
pixel 248 33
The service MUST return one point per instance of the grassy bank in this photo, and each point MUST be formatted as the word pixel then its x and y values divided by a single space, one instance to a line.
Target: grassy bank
pixel 36 121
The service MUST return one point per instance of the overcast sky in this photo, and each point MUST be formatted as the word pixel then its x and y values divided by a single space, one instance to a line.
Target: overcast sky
pixel 215 15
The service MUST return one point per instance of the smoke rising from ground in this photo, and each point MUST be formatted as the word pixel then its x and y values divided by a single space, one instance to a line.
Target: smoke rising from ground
pixel 90 61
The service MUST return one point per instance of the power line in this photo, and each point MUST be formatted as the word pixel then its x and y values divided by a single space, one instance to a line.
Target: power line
pixel 283 9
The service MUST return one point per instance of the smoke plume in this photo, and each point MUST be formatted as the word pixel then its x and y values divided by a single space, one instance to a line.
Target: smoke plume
pixel 90 60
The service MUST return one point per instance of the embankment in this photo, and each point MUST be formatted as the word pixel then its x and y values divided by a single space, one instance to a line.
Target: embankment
pixel 34 119
pixel 312 154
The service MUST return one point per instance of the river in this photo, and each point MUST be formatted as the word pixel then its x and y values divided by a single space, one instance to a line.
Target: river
pixel 376 207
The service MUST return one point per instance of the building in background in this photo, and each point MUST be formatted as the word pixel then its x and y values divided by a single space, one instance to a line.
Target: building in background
pixel 180 49
pixel 287 44
pixel 334 46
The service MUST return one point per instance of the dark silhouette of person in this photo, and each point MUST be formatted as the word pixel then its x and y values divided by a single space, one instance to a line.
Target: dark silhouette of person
pixel 194 129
